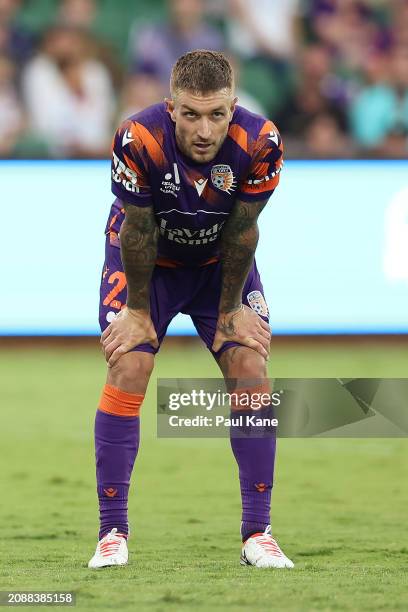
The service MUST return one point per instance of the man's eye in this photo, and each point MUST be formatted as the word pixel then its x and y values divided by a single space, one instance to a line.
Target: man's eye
pixel 190 115
pixel 218 114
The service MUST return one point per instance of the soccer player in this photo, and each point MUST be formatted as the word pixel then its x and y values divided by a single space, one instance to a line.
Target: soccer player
pixel 191 176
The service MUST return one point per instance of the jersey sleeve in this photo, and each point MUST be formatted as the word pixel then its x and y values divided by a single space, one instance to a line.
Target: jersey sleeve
pixel 130 176
pixel 265 167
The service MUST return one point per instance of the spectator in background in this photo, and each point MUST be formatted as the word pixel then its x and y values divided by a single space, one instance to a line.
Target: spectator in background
pixel 379 114
pixel 155 49
pixel 400 22
pixel 69 96
pixel 263 28
pixel 350 30
pixel 78 13
pixel 139 92
pixel 245 98
pixel 11 112
pixel 15 41
pixel 326 139
pixel 315 118
pixel 265 35
pixel 83 15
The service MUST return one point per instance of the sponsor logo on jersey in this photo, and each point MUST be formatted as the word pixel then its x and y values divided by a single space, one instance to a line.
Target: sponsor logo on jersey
pixel 257 302
pixel 171 184
pixel 223 178
pixel 189 236
pixel 124 175
pixel 200 185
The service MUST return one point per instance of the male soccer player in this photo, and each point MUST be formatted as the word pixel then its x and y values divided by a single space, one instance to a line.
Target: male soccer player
pixel 191 177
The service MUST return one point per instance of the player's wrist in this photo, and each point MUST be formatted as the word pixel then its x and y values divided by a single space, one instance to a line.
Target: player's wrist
pixel 137 312
pixel 228 312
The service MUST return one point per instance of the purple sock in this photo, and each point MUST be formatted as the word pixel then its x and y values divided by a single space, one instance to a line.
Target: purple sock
pixel 116 446
pixel 255 456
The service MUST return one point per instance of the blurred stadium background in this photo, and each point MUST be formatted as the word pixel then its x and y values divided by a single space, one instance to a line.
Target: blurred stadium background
pixel 333 75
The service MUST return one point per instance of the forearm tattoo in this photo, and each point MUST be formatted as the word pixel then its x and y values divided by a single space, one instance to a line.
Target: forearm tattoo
pixel 226 324
pixel 138 247
pixel 238 244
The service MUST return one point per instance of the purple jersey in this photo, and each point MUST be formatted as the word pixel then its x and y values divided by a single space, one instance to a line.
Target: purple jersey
pixel 191 201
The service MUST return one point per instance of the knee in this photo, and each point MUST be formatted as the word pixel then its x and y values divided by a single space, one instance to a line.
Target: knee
pixel 132 372
pixel 244 363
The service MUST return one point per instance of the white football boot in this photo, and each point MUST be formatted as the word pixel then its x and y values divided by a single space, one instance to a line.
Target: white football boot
pixel 261 550
pixel 111 550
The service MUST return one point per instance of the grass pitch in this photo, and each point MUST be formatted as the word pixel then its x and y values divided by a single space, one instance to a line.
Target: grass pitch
pixel 339 506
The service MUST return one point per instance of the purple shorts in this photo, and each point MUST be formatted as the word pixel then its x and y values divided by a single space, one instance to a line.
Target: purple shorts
pixel 192 291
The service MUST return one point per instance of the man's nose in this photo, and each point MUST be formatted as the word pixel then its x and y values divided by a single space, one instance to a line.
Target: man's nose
pixel 204 129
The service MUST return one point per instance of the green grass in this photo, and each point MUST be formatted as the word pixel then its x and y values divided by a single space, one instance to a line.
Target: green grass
pixel 339 506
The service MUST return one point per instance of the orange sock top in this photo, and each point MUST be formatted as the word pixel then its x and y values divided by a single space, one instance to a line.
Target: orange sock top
pixel 120 403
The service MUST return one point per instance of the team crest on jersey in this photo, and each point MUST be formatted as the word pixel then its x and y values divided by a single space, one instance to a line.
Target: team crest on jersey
pixel 257 302
pixel 223 178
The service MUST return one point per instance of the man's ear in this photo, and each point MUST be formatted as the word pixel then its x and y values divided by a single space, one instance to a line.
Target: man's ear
pixel 170 108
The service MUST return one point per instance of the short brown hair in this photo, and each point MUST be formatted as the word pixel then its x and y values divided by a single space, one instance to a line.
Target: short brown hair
pixel 201 71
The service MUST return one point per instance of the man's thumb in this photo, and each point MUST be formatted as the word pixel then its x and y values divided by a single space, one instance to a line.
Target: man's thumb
pixel 217 344
pixel 154 343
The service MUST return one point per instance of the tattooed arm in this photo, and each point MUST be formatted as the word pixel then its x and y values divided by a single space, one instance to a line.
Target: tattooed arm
pixel 239 240
pixel 138 247
pixel 238 244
